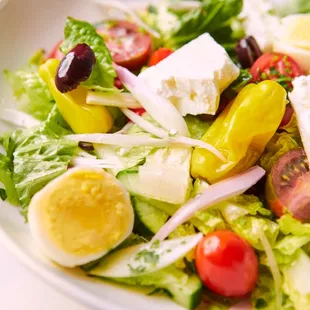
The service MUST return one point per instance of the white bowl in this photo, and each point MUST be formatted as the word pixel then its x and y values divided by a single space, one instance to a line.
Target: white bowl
pixel 27 25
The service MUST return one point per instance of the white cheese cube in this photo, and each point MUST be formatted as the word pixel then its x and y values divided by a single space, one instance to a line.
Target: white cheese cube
pixel 300 100
pixel 194 76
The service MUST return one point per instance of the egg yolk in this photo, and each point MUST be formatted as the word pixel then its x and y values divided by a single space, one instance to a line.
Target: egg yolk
pixel 86 213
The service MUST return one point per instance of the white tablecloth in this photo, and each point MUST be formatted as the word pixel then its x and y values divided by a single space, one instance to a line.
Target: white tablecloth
pixel 20 289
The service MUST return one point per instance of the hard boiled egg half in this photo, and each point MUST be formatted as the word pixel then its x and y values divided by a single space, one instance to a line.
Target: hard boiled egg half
pixel 80 216
pixel 293 39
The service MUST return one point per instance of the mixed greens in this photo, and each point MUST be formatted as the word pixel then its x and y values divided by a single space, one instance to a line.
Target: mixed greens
pixel 185 123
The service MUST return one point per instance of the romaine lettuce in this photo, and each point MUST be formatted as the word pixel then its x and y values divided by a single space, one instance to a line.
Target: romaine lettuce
pixel 179 27
pixel 103 74
pixel 37 156
pixel 31 93
pixel 279 145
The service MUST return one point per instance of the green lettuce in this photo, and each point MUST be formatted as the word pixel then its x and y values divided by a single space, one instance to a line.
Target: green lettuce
pixel 245 215
pixel 196 126
pixel 279 145
pixel 289 225
pixel 31 93
pixel 6 178
pixel 103 74
pixel 296 282
pixel 263 296
pixel 218 17
pixel 37 156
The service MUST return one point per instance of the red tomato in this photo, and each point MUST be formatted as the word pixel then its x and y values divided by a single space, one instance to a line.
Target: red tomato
pixel 159 55
pixel 129 47
pixel 227 264
pixel 276 66
pixel 289 111
pixel 56 53
pixel 139 111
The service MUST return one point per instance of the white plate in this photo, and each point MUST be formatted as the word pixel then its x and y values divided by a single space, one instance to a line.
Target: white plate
pixel 25 26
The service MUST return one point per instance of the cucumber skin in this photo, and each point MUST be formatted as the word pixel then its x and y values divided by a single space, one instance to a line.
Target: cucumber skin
pixel 176 289
pixel 141 225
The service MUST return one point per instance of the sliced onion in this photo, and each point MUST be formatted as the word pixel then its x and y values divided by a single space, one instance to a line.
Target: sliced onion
pixel 243 305
pixel 18 118
pixel 128 11
pixel 125 129
pixel 158 107
pixel 92 162
pixel 145 125
pixel 82 153
pixel 121 100
pixel 274 268
pixel 133 140
pixel 212 195
pixel 199 144
pixel 119 139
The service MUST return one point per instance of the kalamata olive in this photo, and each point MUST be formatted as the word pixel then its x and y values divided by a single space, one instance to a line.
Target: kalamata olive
pixel 247 51
pixel 75 67
pixel 86 146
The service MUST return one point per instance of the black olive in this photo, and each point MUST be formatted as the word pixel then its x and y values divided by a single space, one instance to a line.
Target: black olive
pixel 247 51
pixel 74 68
pixel 86 146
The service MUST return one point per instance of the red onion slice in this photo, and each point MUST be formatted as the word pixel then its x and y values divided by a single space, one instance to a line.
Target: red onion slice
pixel 216 193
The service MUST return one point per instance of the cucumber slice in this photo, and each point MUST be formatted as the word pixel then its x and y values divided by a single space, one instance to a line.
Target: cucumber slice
pixel 145 258
pixel 149 219
pixel 184 289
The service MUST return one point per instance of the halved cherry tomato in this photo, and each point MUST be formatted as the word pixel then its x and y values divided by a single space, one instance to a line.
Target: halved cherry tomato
pixel 276 66
pixel 129 47
pixel 227 264
pixel 55 52
pixel 159 55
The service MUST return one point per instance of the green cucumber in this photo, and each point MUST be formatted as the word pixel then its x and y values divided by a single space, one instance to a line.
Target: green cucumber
pixel 149 219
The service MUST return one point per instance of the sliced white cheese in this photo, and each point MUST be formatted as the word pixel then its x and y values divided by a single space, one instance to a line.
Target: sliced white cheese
pixel 300 99
pixel 193 77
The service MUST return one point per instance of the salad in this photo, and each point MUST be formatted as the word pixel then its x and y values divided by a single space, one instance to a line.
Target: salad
pixel 170 149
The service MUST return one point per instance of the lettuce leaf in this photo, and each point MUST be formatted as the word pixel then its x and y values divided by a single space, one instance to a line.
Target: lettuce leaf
pixel 263 296
pixel 31 93
pixel 103 74
pixel 296 281
pixel 289 225
pixel 6 179
pixel 244 215
pixel 197 127
pixel 214 16
pixel 37 156
pixel 279 145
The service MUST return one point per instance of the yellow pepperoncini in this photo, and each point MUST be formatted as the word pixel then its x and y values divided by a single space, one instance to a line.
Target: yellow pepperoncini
pixel 81 117
pixel 241 131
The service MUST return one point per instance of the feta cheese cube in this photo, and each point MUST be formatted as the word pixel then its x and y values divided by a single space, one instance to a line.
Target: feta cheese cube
pixel 194 76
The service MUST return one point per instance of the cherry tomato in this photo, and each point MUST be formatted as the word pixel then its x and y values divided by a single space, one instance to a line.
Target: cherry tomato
pixel 55 52
pixel 289 111
pixel 277 67
pixel 227 264
pixel 129 47
pixel 159 55
pixel 138 111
